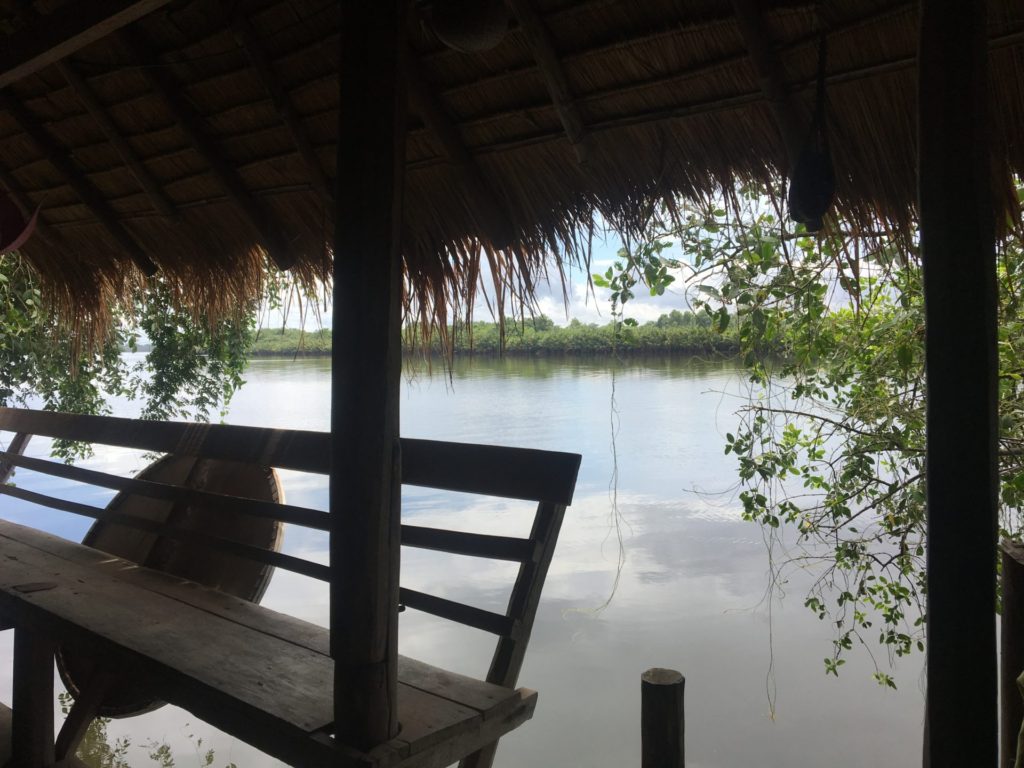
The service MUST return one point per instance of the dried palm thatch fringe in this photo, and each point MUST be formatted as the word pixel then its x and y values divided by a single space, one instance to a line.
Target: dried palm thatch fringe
pixel 668 97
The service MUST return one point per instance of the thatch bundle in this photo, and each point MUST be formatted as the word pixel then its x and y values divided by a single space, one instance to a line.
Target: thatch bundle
pixel 665 98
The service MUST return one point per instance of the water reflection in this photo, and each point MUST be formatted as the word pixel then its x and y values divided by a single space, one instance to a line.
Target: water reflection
pixel 689 597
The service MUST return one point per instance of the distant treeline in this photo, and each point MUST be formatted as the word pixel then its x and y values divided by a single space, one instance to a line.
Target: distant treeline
pixel 683 333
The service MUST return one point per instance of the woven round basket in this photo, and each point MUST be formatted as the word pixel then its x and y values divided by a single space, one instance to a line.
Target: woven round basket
pixel 470 26
pixel 132 694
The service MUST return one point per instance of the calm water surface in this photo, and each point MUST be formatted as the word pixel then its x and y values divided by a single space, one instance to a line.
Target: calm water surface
pixel 689 595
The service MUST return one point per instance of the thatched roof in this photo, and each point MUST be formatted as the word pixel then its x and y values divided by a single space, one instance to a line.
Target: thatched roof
pixel 192 144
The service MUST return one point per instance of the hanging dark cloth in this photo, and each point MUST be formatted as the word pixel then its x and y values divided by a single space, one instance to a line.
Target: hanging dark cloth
pixel 812 185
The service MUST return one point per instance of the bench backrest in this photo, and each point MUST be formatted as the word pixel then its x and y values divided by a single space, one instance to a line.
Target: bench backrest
pixel 545 477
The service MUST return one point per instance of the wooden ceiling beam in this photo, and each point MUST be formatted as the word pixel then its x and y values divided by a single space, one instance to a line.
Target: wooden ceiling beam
pixel 76 179
pixel 51 38
pixel 249 40
pixel 770 76
pixel 86 94
pixel 539 39
pixel 492 218
pixel 190 121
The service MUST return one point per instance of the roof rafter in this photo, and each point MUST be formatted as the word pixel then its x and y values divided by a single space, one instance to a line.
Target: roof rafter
pixel 551 69
pixel 49 39
pixel 86 94
pixel 191 124
pixel 76 179
pixel 770 75
pixel 249 40
pixel 21 198
pixel 493 219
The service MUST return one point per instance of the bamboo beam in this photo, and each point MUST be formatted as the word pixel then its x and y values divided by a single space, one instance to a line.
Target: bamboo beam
pixel 249 40
pixel 87 193
pixel 55 37
pixel 486 207
pixel 961 365
pixel 191 124
pixel 541 45
pixel 85 93
pixel 770 76
pixel 365 457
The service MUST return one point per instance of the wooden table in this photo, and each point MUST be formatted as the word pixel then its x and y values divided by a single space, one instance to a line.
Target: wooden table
pixel 257 674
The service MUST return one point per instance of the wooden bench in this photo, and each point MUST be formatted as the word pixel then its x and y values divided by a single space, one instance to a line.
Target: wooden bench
pixel 257 674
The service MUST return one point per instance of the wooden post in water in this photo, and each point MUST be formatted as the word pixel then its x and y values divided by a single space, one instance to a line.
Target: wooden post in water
pixel 1011 662
pixel 957 245
pixel 662 726
pixel 365 371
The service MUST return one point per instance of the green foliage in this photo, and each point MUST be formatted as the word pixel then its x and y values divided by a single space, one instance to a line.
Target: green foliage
pixel 830 446
pixel 675 333
pixel 191 371
pixel 97 751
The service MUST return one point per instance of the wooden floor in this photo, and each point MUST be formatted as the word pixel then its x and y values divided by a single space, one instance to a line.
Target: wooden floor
pixel 257 674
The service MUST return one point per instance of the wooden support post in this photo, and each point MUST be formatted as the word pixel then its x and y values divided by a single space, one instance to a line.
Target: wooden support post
pixel 543 49
pixel 366 369
pixel 486 207
pixel 249 40
pixel 1011 662
pixel 770 76
pixel 662 725
pixel 957 245
pixel 191 124
pixel 87 193
pixel 32 725
pixel 91 102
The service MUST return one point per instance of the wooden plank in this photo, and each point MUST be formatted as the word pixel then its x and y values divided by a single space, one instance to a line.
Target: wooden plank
pixel 365 455
pixel 14 450
pixel 516 473
pixel 62 34
pixel 427 720
pixel 266 556
pixel 286 449
pixel 448 752
pixel 288 513
pixel 543 49
pixel 158 75
pixel 61 161
pixel 249 40
pixel 85 93
pixel 487 699
pixel 961 366
pixel 471 544
pixel 32 717
pixel 478 618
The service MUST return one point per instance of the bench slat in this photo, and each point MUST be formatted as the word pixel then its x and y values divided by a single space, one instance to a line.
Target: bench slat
pixel 488 621
pixel 472 544
pixel 514 473
pixel 276 559
pixel 286 513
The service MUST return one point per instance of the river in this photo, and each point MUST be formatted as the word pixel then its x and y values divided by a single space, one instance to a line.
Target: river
pixel 690 593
